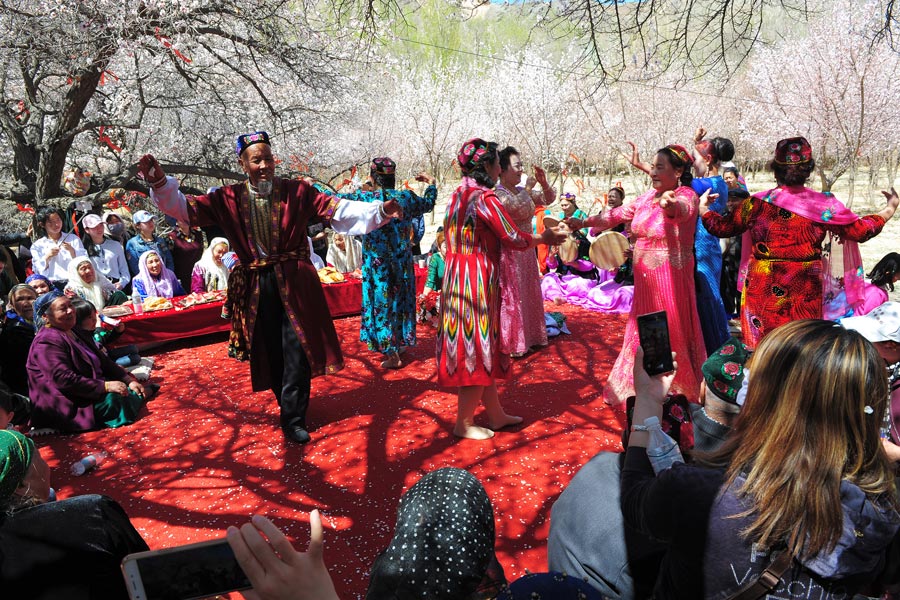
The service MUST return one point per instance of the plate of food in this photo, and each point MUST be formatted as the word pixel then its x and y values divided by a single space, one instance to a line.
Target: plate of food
pixel 116 311
pixel 154 303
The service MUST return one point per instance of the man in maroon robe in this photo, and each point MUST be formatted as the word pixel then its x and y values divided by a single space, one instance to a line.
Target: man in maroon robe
pixel 285 316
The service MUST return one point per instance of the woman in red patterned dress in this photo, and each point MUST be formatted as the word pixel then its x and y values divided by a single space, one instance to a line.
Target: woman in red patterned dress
pixel 786 227
pixel 468 342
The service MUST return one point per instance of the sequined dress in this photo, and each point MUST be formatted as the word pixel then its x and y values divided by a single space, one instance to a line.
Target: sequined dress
pixel 663 280
pixel 522 304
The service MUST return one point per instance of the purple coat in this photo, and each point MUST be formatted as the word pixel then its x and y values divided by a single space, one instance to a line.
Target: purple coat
pixel 65 378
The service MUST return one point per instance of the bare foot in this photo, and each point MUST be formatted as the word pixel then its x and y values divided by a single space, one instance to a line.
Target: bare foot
pixel 473 432
pixel 504 421
pixel 392 362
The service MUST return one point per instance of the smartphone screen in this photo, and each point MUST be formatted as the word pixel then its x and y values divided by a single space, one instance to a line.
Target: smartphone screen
pixel 653 332
pixel 185 572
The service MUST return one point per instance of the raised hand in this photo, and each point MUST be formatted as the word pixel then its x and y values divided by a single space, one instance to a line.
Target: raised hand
pixel 425 178
pixel 392 209
pixel 150 170
pixel 893 201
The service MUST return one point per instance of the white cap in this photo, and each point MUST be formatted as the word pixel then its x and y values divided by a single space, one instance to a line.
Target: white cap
pixel 880 325
pixel 141 216
pixel 91 220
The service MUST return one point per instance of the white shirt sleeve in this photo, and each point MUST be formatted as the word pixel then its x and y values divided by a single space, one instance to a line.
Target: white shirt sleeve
pixel 124 274
pixel 358 218
pixel 170 200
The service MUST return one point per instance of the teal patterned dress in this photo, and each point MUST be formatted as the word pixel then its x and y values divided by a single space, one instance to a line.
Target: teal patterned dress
pixel 388 280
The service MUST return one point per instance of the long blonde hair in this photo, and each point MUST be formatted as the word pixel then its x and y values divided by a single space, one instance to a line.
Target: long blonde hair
pixel 816 399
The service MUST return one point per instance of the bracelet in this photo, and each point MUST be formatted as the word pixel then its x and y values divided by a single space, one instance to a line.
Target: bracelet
pixel 381 212
pixel 635 428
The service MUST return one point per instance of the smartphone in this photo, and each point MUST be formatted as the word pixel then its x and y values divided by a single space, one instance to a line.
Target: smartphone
pixel 653 332
pixel 184 572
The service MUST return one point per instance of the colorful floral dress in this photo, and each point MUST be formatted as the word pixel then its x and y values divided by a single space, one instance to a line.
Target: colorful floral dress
pixel 522 305
pixel 388 280
pixel 663 280
pixel 468 341
pixel 784 278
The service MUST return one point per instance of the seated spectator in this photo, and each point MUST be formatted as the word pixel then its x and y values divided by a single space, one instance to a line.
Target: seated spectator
pixel 626 563
pixel 154 279
pixel 16 335
pixel 210 273
pixel 882 328
pixel 15 409
pixel 8 277
pixel 801 487
pixel 115 228
pixel 187 248
pixel 74 387
pixel 344 253
pixel 429 301
pixel 40 284
pixel 50 550
pixel 50 255
pixel 107 254
pixel 882 277
pixel 145 241
pixel 85 282
pixel 90 328
pixel 445 518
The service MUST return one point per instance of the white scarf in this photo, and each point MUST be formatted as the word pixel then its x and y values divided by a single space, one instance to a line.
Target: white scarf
pixel 215 277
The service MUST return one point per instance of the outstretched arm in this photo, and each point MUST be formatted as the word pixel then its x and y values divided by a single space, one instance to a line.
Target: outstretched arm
pixel 276 570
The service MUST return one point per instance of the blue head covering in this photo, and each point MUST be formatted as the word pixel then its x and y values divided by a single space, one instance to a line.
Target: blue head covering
pixel 248 139
pixel 36 277
pixel 42 304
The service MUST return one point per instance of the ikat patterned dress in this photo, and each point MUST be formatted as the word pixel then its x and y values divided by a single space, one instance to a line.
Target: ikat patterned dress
pixel 784 277
pixel 388 320
pixel 468 341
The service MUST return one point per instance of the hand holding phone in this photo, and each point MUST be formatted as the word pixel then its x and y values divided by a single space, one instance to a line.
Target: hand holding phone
pixel 653 333
pixel 184 572
pixel 276 569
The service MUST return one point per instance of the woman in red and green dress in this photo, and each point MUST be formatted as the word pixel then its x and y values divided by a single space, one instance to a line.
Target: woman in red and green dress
pixel 784 231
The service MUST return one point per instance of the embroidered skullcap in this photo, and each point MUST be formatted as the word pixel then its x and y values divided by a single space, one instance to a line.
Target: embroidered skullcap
pixel 42 304
pixel 880 325
pixel 793 151
pixel 16 451
pixel 549 586
pixel 36 277
pixel 679 152
pixel 724 369
pixel 568 196
pixel 472 153
pixel 383 166
pixel 248 139
pixel 443 542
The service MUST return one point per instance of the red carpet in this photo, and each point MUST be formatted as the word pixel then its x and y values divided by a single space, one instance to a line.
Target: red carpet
pixel 208 453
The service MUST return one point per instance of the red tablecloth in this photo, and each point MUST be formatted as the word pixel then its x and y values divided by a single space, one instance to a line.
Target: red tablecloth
pixel 344 299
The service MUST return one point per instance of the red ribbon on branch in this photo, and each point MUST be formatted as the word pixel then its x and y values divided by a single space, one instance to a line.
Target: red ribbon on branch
pixel 168 44
pixel 104 74
pixel 102 137
pixel 26 208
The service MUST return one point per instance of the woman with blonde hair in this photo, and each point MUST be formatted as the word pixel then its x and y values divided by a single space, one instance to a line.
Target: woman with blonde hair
pixel 801 487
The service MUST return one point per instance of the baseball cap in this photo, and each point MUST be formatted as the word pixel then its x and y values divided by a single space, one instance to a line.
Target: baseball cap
pixel 91 220
pixel 880 325
pixel 141 216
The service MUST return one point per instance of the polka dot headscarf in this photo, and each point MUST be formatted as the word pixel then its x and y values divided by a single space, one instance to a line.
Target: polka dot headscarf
pixel 443 541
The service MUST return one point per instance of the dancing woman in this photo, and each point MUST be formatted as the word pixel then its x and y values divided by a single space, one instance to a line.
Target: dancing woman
pixel 468 343
pixel 663 221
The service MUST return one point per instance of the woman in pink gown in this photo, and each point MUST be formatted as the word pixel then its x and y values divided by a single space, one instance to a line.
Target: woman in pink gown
pixel 663 222
pixel 521 303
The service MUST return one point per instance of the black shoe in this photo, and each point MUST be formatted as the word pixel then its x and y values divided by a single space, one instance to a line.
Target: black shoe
pixel 296 433
pixel 150 390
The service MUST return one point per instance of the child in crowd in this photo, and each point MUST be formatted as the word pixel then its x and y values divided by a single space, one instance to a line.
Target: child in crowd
pixel 102 333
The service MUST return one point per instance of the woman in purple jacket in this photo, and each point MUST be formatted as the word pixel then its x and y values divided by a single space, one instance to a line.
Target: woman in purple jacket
pixel 73 386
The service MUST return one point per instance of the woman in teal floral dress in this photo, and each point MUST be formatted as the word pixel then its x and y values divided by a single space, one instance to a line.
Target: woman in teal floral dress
pixel 388 323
